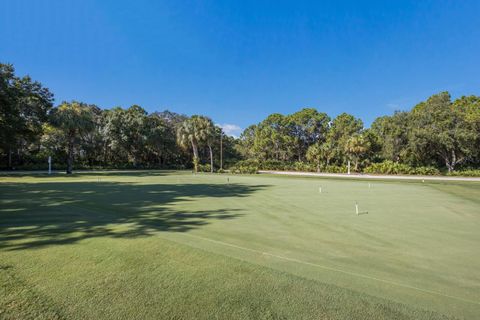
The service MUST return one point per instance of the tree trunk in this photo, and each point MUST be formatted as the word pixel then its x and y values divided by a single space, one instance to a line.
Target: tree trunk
pixel 450 163
pixel 195 157
pixel 9 158
pixel 105 150
pixel 221 151
pixel 70 156
pixel 211 158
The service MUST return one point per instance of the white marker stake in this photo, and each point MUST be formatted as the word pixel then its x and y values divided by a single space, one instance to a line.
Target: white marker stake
pixel 49 165
pixel 356 207
pixel 320 190
pixel 369 185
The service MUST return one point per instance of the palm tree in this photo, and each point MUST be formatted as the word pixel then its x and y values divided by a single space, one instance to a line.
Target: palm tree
pixel 356 147
pixel 208 135
pixel 72 119
pixel 194 132
pixel 314 155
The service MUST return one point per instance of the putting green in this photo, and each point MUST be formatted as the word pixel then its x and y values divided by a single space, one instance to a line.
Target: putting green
pixel 174 245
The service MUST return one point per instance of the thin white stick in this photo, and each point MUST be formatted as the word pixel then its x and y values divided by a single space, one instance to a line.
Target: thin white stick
pixel 320 190
pixel 356 207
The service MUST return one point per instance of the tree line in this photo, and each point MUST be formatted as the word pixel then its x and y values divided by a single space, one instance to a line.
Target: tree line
pixel 437 133
pixel 84 135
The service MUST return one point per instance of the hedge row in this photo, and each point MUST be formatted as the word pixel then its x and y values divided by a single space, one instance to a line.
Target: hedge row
pixel 390 167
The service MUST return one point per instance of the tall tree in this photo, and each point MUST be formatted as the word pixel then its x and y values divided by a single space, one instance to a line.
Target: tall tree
pixel 194 132
pixel 392 133
pixel 24 105
pixel 72 119
pixel 441 129
pixel 343 127
pixel 356 148
pixel 207 136
pixel 307 126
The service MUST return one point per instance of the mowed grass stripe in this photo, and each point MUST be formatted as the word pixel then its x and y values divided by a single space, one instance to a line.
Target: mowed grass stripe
pixel 335 269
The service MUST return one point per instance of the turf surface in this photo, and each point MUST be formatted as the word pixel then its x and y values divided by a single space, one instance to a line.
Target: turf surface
pixel 151 245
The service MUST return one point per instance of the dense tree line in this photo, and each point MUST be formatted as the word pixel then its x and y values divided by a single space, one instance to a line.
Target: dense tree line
pixel 32 129
pixel 438 133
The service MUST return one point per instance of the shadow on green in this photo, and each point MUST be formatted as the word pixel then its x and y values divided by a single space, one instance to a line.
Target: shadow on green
pixel 41 214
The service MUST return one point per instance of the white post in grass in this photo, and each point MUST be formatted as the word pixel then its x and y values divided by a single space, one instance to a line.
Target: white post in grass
pixel 348 166
pixel 356 207
pixel 320 190
pixel 369 185
pixel 49 165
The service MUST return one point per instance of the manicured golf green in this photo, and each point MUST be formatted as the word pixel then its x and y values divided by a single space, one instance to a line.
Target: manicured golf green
pixel 171 245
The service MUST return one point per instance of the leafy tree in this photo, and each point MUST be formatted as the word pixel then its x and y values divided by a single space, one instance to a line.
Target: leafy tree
pixel 440 129
pixel 307 126
pixel 24 105
pixel 343 127
pixel 73 120
pixel 392 133
pixel 272 140
pixel 246 144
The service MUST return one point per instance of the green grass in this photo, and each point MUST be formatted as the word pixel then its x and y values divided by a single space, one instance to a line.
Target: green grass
pixel 170 245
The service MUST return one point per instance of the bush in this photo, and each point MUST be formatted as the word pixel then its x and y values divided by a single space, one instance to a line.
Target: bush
pixel 245 167
pixel 390 167
pixel 465 173
pixel 204 168
pixel 304 166
pixel 334 169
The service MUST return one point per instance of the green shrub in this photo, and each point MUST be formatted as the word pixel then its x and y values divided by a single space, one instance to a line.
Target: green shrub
pixel 304 166
pixel 204 168
pixel 465 173
pixel 390 167
pixel 334 169
pixel 245 167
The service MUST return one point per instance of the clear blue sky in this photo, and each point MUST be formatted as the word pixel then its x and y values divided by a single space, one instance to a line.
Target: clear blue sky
pixel 238 61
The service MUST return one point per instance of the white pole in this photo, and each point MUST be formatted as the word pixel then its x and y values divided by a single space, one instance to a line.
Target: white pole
pixel 348 166
pixel 356 207
pixel 49 165
pixel 320 190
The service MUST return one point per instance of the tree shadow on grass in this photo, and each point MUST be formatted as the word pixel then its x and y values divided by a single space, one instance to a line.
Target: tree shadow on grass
pixel 90 173
pixel 54 213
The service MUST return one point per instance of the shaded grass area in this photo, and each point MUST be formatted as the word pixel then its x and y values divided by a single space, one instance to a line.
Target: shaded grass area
pixel 60 213
pixel 129 245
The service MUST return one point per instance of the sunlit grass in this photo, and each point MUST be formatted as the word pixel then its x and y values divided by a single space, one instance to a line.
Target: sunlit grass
pixel 174 245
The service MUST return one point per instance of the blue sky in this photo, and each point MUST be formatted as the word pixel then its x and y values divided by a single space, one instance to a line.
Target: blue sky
pixel 239 61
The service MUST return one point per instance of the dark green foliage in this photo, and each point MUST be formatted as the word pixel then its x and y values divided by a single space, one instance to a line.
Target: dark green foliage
pixel 390 167
pixel 437 133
